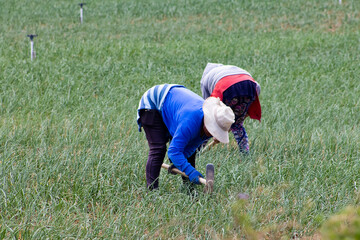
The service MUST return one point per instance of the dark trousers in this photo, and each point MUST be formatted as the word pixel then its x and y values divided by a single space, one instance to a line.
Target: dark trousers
pixel 157 136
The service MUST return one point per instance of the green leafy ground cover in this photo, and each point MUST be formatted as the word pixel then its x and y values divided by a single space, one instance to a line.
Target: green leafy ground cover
pixel 72 164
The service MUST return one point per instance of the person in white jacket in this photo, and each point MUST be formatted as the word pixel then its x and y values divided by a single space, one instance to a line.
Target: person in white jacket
pixel 237 89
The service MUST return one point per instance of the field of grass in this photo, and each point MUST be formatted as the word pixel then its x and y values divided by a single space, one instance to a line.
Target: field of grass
pixel 72 163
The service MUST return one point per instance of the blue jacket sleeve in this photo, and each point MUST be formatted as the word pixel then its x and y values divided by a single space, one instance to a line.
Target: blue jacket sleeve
pixel 179 144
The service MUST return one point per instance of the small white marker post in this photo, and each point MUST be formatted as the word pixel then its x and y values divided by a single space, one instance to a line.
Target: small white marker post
pixel 339 1
pixel 32 52
pixel 81 11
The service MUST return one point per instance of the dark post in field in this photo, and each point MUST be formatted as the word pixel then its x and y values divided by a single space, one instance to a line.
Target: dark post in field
pixel 81 11
pixel 32 52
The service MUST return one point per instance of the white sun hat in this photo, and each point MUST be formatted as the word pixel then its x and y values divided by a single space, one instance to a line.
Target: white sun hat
pixel 218 118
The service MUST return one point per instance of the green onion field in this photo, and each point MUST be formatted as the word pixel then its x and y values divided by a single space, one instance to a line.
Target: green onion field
pixel 72 162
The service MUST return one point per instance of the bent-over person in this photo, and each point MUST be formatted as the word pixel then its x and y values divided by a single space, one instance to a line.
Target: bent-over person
pixel 237 89
pixel 171 112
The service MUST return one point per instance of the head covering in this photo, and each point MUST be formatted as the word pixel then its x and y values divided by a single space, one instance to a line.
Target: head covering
pixel 218 118
pixel 255 109
pixel 246 88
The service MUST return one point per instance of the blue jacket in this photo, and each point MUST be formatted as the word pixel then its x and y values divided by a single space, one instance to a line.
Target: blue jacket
pixel 183 116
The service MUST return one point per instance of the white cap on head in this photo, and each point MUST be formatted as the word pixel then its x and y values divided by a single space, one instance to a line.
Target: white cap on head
pixel 218 118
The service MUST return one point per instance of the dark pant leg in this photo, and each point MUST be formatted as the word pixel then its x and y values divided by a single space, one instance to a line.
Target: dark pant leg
pixel 157 136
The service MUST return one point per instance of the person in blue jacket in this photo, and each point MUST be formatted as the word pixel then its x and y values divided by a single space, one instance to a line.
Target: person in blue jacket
pixel 171 112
